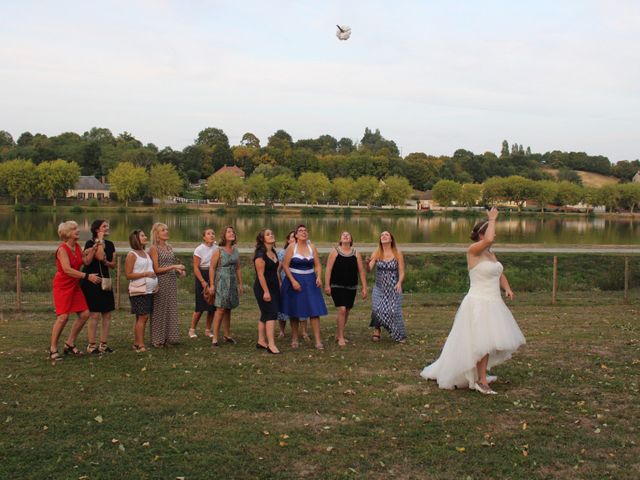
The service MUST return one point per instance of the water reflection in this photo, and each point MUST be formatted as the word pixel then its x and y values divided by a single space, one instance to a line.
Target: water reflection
pixel 188 227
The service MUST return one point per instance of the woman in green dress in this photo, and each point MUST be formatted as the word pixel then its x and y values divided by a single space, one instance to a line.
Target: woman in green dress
pixel 225 279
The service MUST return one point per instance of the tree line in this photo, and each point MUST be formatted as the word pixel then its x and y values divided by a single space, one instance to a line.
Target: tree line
pixel 519 190
pixel 98 152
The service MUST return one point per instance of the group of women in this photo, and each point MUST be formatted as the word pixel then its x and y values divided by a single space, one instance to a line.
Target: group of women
pixel 288 287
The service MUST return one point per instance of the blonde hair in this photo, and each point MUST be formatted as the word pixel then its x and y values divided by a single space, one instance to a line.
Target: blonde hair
pixel 65 229
pixel 155 230
pixel 379 253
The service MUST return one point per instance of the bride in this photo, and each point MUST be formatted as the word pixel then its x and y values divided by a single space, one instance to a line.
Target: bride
pixel 484 332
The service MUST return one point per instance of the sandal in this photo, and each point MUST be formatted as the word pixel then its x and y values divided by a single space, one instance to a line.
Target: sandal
pixel 229 340
pixel 104 348
pixel 207 333
pixel 375 338
pixel 71 349
pixel 295 345
pixel 319 346
pixel 139 348
pixel 306 338
pixel 55 356
pixel 484 389
pixel 92 349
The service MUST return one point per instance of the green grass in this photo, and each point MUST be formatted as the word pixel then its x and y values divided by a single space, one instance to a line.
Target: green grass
pixel 567 404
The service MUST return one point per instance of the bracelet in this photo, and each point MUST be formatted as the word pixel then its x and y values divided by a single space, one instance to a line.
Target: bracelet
pixel 86 275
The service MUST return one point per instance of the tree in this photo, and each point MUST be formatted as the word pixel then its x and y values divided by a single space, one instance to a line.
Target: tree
pixel 609 197
pixel 164 181
pixel 629 195
pixel 250 140
pixel 396 190
pixel 366 188
pixel 342 189
pixel 518 189
pixel 314 186
pixel 225 186
pixel 568 193
pixel 6 140
pixel 218 149
pixel 284 188
pixel 494 190
pixel 345 146
pixel 257 188
pixel 56 178
pixel 544 192
pixel 569 175
pixel 446 191
pixel 19 178
pixel 128 181
pixel 505 149
pixel 375 143
pixel 470 194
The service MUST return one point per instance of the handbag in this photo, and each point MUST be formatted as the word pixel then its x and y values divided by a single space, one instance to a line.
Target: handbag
pixel 138 287
pixel 208 295
pixel 105 283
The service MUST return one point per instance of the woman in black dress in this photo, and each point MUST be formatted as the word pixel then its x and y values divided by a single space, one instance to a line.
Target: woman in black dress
pixel 344 265
pixel 99 256
pixel 267 289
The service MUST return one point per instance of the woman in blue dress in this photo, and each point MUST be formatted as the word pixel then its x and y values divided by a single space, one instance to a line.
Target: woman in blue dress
pixel 301 294
pixel 282 318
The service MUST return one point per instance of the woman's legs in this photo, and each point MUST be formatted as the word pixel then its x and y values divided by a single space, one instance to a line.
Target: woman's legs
pixel 106 327
pixel 315 326
pixel 56 331
pixel 283 325
pixel 138 329
pixel 195 318
pixel 295 323
pixel 226 323
pixel 482 369
pixel 303 328
pixel 76 327
pixel 341 322
pixel 217 321
pixel 262 338
pixel 270 330
pixel 92 328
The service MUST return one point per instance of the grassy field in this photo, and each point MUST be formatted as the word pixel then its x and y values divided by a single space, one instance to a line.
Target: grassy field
pixel 567 404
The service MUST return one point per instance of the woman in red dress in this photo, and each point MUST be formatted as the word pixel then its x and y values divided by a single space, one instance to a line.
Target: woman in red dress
pixel 67 294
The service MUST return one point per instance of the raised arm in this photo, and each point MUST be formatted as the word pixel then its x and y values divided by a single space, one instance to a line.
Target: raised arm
pixel 327 273
pixel 489 235
pixel 372 261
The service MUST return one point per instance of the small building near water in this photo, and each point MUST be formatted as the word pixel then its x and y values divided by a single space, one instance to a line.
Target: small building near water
pixel 89 187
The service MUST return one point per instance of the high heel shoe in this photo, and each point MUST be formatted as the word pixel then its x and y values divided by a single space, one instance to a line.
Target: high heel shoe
pixel 272 352
pixel 261 347
pixel 229 340
pixel 71 349
pixel 484 389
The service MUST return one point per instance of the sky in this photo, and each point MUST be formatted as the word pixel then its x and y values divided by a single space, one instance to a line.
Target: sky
pixel 434 76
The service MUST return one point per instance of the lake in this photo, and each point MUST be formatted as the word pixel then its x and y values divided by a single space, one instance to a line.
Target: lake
pixel 551 230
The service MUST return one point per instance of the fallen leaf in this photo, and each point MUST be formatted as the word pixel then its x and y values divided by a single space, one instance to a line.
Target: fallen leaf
pixel 146 444
pixel 460 449
pixel 98 419
pixel 121 447
pixel 282 444
pixel 265 432
pixel 524 426
pixel 114 440
pixel 349 392
pixel 329 449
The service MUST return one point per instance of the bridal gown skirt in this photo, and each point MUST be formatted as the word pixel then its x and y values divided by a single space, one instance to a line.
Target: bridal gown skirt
pixel 483 325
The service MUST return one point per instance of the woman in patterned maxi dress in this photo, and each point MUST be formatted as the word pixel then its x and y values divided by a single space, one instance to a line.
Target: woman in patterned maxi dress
pixel 386 298
pixel 225 278
pixel 164 318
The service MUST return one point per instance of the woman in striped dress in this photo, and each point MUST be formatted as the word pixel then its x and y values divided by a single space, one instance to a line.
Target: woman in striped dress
pixel 164 318
pixel 386 298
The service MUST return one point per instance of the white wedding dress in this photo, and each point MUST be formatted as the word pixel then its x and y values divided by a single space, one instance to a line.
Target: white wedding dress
pixel 483 324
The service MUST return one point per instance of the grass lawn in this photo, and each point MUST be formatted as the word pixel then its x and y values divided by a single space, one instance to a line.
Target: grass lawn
pixel 567 405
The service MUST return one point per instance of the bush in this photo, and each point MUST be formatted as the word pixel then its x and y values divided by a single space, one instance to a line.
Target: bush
pixel 18 207
pixel 33 207
pixel 181 209
pixel 313 211
pixel 347 211
pixel 220 211
pixel 93 202
pixel 76 209
pixel 122 209
pixel 249 210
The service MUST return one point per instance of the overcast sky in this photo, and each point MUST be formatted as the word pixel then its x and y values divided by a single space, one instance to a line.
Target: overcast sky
pixel 433 76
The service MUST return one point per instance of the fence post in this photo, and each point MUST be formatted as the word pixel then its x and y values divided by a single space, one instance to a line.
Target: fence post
pixel 554 288
pixel 626 279
pixel 18 284
pixel 118 265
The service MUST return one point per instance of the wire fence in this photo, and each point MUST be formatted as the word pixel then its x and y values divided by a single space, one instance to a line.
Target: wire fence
pixel 26 278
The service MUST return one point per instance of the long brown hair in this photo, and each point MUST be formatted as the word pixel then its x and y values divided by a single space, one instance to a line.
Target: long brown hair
pixel 223 241
pixel 478 229
pixel 379 253
pixel 260 245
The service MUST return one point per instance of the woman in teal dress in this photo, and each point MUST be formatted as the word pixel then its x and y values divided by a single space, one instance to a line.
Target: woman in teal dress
pixel 226 280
